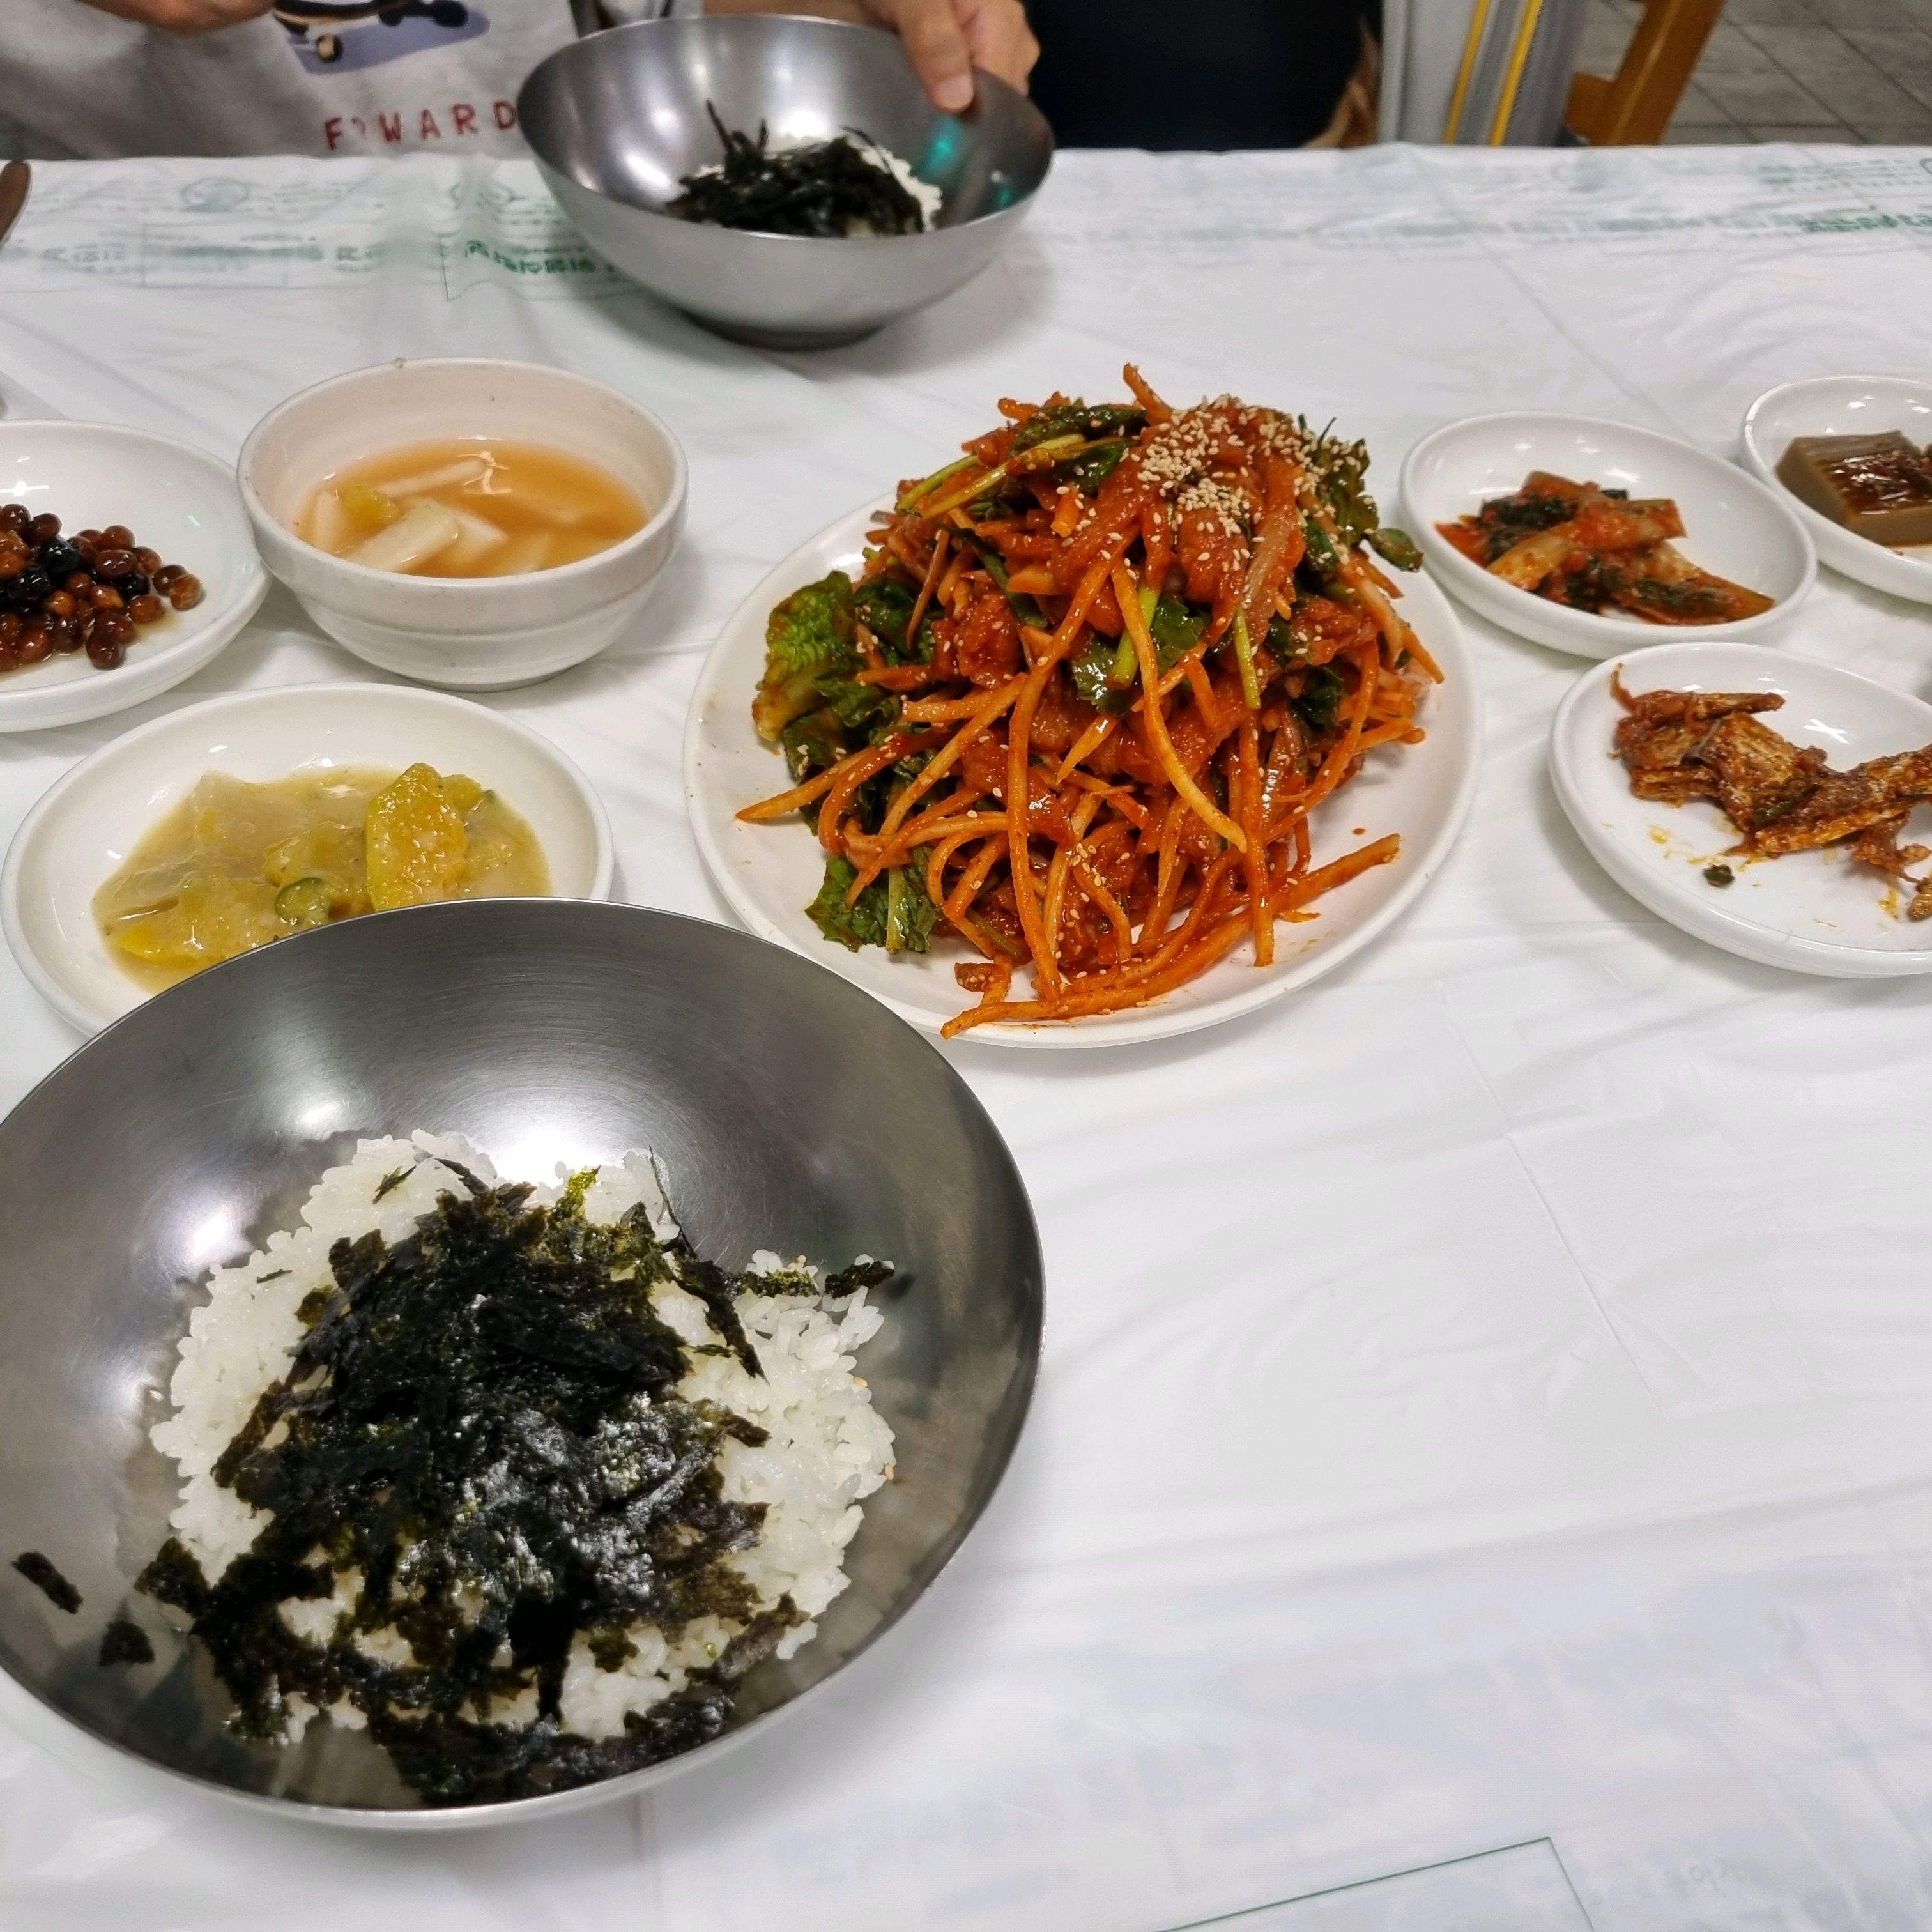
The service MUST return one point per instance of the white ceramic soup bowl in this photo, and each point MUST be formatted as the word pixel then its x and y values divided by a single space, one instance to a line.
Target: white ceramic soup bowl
pixel 470 633
pixel 87 823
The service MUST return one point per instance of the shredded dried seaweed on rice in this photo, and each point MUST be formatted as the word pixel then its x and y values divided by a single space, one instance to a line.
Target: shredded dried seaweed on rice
pixel 480 1454
pixel 841 187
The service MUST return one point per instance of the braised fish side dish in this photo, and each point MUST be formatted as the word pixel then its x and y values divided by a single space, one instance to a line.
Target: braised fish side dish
pixel 1598 549
pixel 1782 797
pixel 1160 630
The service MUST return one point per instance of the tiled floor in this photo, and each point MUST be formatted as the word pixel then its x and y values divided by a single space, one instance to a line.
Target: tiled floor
pixel 1796 70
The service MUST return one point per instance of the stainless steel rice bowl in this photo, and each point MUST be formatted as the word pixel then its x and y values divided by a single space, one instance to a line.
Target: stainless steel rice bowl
pixel 616 119
pixel 790 1109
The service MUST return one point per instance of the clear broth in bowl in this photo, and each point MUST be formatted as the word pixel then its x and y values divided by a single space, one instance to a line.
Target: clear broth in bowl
pixel 469 506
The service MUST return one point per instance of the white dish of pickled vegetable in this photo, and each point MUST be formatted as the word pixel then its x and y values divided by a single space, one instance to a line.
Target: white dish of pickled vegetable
pixel 84 830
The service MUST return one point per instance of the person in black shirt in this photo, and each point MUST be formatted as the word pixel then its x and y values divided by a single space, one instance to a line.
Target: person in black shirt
pixel 1194 73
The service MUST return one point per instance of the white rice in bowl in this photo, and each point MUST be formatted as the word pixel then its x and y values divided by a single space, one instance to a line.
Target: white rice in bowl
pixel 825 1448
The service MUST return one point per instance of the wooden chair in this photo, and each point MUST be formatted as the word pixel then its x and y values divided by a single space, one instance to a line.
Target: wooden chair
pixel 1634 106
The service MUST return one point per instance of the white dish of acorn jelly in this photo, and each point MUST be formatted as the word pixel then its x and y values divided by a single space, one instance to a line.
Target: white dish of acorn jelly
pixel 174 500
pixel 1807 912
pixel 1845 406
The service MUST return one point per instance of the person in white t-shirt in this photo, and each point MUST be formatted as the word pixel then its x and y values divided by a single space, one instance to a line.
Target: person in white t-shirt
pixel 367 76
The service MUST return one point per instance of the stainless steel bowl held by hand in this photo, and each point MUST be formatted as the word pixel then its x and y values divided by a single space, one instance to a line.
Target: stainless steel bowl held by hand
pixel 786 181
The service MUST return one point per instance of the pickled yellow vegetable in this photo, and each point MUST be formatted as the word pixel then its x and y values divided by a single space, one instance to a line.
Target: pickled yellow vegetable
pixel 213 918
pixel 368 505
pixel 236 865
pixel 329 849
pixel 418 846
pixel 306 902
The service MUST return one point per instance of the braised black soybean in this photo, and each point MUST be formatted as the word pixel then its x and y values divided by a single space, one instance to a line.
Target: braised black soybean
pixel 93 589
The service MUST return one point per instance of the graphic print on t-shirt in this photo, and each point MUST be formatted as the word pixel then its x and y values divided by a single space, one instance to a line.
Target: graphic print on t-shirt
pixel 342 36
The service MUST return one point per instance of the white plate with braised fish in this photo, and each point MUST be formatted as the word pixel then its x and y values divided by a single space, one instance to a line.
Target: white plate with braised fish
pixel 1854 453
pixel 1309 761
pixel 125 566
pixel 235 822
pixel 1771 805
pixel 1596 538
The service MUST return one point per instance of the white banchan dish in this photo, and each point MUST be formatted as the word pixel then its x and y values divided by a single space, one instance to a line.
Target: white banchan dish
pixel 176 500
pixel 1810 912
pixel 768 874
pixel 1734 525
pixel 466 633
pixel 87 823
pixel 1845 406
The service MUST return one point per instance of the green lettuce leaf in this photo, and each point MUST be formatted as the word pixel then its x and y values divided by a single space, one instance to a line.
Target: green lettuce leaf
pixel 910 914
pixel 893 911
pixel 884 606
pixel 1087 471
pixel 1093 676
pixel 862 708
pixel 1396 546
pixel 1176 628
pixel 813 743
pixel 809 641
pixel 1077 418
pixel 1341 470
pixel 863 924
pixel 1320 703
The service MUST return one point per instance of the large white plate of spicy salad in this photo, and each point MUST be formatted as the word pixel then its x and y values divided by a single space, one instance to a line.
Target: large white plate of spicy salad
pixel 1313 749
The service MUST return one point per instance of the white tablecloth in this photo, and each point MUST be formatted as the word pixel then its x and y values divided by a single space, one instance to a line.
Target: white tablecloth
pixel 1481 1474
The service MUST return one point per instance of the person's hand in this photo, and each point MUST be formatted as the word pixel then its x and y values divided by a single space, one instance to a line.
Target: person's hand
pixel 948 38
pixel 185 16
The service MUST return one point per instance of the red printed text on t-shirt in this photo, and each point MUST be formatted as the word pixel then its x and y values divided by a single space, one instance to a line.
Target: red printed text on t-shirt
pixel 417 126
